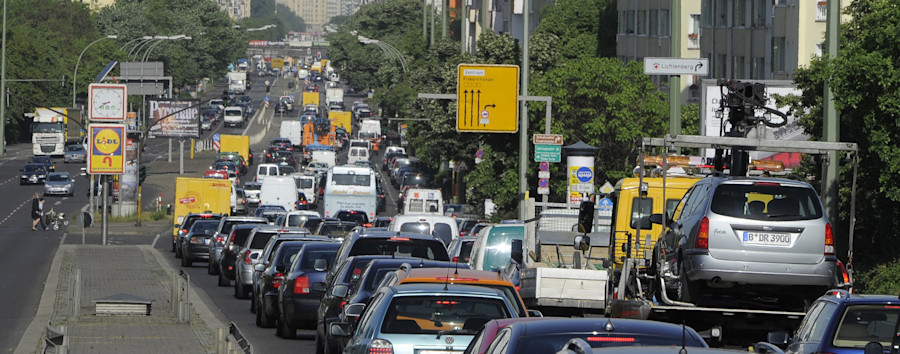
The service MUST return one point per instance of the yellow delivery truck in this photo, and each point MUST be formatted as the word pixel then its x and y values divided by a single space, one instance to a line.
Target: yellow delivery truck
pixel 341 119
pixel 236 143
pixel 197 195
pixel 310 98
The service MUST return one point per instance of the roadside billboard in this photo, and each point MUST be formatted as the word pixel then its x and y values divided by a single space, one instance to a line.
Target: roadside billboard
pixel 173 118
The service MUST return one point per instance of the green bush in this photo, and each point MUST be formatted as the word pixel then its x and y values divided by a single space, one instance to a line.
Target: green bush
pixel 883 279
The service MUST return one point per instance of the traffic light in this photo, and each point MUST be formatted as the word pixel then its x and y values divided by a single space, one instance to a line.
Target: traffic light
pixel 142 174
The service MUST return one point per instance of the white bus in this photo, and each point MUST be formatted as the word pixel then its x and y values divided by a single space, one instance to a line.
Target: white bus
pixel 350 188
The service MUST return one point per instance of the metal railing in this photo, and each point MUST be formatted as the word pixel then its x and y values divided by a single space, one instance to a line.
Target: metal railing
pixel 181 303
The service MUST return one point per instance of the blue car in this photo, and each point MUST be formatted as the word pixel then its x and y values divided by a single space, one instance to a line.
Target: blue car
pixel 297 301
pixel 843 323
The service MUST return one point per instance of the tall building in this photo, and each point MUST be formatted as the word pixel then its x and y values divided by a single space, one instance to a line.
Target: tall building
pixel 96 5
pixel 313 12
pixel 645 30
pixel 761 39
pixel 236 9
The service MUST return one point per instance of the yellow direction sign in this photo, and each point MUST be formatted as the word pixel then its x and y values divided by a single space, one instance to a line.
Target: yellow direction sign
pixel 106 149
pixel 487 98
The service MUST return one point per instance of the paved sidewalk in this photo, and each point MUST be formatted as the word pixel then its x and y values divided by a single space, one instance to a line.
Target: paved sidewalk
pixel 138 270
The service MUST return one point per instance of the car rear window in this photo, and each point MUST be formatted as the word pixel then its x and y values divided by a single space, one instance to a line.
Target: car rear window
pixel 286 254
pixel 550 343
pixel 433 314
pixel 444 232
pixel 204 227
pixel 766 201
pixel 308 260
pixel 416 227
pixel 240 235
pixel 354 217
pixel 465 251
pixel 260 239
pixel 862 324
pixel 336 230
pixel 400 247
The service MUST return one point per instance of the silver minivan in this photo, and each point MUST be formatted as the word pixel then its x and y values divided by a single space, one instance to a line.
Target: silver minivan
pixel 764 240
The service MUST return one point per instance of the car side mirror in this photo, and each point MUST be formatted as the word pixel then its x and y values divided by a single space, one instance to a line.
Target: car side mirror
pixel 769 348
pixel 354 310
pixel 586 217
pixel 340 290
pixel 582 242
pixel 516 253
pixel 318 286
pixel 259 267
pixel 654 219
pixel 534 313
pixel 779 338
pixel 321 265
pixel 339 329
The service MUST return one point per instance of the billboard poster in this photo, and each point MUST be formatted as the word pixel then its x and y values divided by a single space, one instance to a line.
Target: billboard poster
pixel 173 118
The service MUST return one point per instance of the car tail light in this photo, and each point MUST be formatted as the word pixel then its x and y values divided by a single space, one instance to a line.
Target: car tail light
pixel 220 239
pixel 277 280
pixel 380 346
pixel 829 240
pixel 702 240
pixel 343 303
pixel 184 231
pixel 301 285
pixel 247 259
pixel 455 259
pixel 611 339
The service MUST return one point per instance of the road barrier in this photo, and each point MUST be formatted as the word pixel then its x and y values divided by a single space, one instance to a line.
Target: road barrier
pixel 181 303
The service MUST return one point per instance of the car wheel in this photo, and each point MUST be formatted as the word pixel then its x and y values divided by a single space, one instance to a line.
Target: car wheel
pixel 284 330
pixel 223 281
pixel 186 261
pixel 210 269
pixel 267 321
pixel 177 252
pixel 687 291
pixel 240 291
pixel 320 343
pixel 253 302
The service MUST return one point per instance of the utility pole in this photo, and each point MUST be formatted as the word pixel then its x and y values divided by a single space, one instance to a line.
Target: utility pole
pixel 3 87
pixel 831 128
pixel 523 111
pixel 675 80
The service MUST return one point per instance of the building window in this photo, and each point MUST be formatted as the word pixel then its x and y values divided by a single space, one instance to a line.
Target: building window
pixel 642 22
pixel 778 50
pixel 759 13
pixel 705 9
pixel 722 13
pixel 654 22
pixel 622 19
pixel 664 27
pixel 759 68
pixel 694 35
pixel 720 66
pixel 740 13
pixel 629 22
pixel 821 11
pixel 737 67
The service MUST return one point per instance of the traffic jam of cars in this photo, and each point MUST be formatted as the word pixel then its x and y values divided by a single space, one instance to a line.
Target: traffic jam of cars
pixel 438 278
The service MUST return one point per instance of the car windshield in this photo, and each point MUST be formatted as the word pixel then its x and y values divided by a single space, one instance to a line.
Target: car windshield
pixel 75 148
pixel 58 177
pixel 434 314
pixel 766 201
pixel 351 179
pixel 400 247
pixel 34 168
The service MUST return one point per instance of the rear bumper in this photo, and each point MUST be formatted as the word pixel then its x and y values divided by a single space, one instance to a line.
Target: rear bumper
pixel 704 267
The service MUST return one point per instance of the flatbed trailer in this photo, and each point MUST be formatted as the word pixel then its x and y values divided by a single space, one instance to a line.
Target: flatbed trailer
pixel 631 292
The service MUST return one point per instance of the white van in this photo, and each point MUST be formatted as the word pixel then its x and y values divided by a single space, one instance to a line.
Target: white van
pixel 279 190
pixel 326 156
pixel 307 184
pixel 293 131
pixel 357 153
pixel 440 226
pixel 267 169
pixel 423 201
pixel 234 116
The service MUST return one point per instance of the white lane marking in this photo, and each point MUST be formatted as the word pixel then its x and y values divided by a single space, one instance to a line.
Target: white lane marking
pixel 153 244
pixel 14 211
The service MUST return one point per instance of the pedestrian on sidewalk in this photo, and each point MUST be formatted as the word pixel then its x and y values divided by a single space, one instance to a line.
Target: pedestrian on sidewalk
pixel 37 212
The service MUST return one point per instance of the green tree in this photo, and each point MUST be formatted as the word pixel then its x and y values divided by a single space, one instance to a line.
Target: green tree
pixel 865 84
pixel 584 27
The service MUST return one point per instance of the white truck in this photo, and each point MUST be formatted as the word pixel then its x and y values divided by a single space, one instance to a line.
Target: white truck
pixel 334 95
pixel 237 81
pixel 50 130
pixel 370 130
pixel 292 130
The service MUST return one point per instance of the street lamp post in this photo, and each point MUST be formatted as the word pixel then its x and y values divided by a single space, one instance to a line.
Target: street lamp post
pixel 75 73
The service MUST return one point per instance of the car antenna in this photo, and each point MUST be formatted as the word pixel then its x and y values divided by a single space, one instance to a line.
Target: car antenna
pixel 683 332
pixel 447 279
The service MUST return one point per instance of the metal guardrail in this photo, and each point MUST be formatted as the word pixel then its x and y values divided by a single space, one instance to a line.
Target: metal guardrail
pixel 181 303
pixel 74 292
pixel 239 338
pixel 56 339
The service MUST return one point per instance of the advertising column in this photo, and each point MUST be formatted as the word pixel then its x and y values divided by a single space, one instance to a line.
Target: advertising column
pixel 581 177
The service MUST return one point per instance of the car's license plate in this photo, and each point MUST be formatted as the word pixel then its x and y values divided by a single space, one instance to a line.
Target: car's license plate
pixel 776 239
